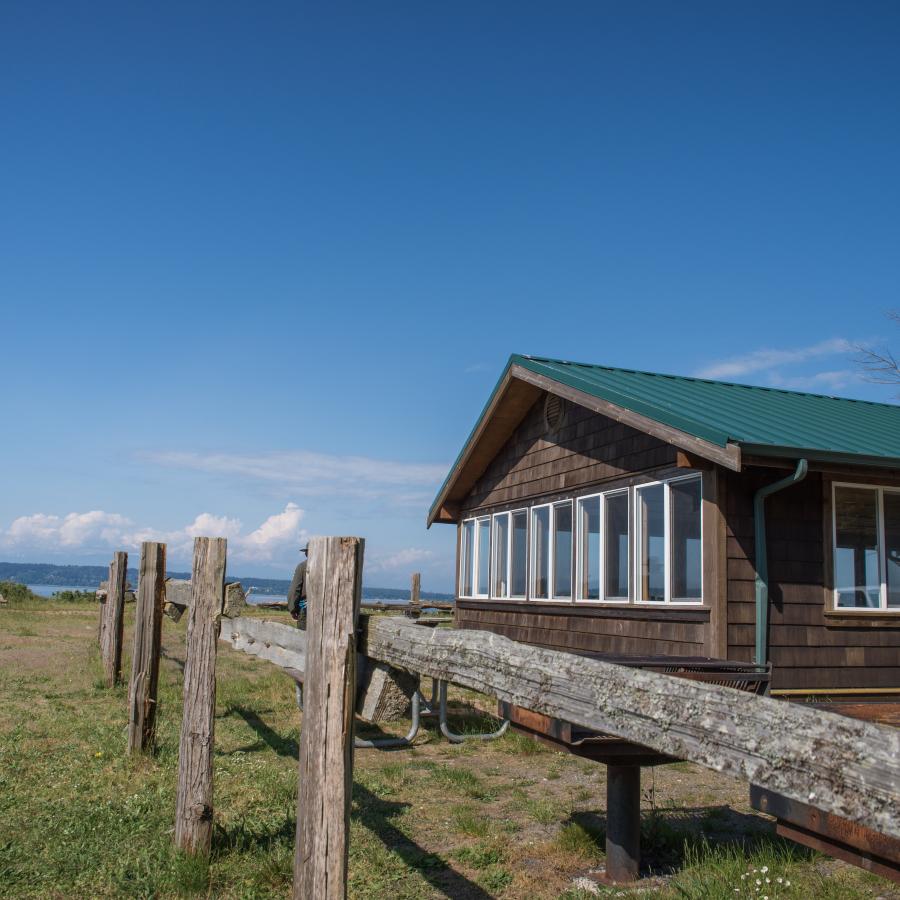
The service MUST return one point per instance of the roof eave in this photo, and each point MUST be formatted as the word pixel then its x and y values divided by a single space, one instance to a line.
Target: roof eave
pixel 728 455
pixel 832 457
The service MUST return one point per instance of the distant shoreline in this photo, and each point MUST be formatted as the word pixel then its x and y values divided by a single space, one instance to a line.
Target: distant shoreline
pixel 61 578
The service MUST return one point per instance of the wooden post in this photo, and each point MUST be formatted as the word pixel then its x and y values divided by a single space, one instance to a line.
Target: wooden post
pixel 145 651
pixel 415 594
pixel 114 620
pixel 194 804
pixel 334 586
pixel 623 823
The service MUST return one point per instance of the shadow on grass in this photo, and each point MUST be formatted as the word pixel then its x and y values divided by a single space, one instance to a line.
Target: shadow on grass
pixel 671 837
pixel 376 814
pixel 283 746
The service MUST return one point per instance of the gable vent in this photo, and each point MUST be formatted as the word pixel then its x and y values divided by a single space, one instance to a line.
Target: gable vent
pixel 553 412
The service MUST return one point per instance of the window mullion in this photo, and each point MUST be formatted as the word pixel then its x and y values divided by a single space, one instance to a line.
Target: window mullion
pixel 667 544
pixel 882 551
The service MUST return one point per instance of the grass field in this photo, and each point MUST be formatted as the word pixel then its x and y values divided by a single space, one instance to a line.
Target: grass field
pixel 79 818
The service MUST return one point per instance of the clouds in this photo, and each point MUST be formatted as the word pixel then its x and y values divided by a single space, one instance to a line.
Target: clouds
pixel 74 530
pixel 761 360
pixel 316 474
pixel 767 367
pixel 83 534
pixel 401 559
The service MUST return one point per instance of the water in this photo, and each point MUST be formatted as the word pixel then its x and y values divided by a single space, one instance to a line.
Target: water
pixel 46 590
pixel 255 599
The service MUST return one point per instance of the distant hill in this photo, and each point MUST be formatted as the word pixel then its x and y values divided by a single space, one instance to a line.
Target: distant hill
pixel 91 576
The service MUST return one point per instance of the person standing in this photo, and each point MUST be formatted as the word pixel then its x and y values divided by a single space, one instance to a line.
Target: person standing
pixel 296 602
pixel 296 598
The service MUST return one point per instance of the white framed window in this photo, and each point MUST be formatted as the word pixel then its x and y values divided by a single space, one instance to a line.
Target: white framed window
pixel 866 547
pixel 562 549
pixel 603 548
pixel 617 546
pixel 466 557
pixel 539 588
pixel 500 556
pixel 509 555
pixel 552 550
pixel 518 555
pixel 588 565
pixel 475 557
pixel 482 556
pixel 669 541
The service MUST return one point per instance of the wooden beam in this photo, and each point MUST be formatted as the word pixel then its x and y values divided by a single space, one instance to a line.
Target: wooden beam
pixel 334 588
pixel 142 689
pixel 114 620
pixel 194 803
pixel 840 765
pixel 511 400
pixel 278 643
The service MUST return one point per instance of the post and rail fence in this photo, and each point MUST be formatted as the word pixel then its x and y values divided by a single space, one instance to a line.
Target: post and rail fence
pixel 840 766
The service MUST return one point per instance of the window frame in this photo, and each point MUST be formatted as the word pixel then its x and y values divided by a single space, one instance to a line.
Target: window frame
pixel 511 513
pixel 462 557
pixel 882 609
pixel 476 558
pixel 668 600
pixel 628 493
pixel 569 501
pixel 532 556
pixel 579 544
pixel 495 548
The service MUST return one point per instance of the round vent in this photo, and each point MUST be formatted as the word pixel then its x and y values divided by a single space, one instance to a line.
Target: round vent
pixel 553 412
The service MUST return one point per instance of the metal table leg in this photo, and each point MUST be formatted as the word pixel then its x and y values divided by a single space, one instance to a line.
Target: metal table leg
pixel 382 743
pixel 452 736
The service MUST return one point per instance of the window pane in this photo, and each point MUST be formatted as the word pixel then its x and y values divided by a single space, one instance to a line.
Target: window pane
pixel 589 548
pixel 684 508
pixel 501 555
pixel 518 575
pixel 468 545
pixel 856 576
pixel 562 551
pixel 540 536
pixel 652 538
pixel 892 547
pixel 484 555
pixel 617 568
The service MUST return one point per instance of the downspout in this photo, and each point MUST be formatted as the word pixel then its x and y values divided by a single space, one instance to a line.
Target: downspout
pixel 762 557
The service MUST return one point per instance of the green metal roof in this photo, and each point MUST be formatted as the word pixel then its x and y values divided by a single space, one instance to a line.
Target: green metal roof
pixel 761 420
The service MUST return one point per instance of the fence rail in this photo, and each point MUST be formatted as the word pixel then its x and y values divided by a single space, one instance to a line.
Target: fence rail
pixel 841 766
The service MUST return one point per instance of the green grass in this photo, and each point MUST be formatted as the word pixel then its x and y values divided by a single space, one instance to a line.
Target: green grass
pixel 79 818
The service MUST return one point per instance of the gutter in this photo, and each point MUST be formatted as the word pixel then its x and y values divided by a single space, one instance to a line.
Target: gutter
pixel 762 556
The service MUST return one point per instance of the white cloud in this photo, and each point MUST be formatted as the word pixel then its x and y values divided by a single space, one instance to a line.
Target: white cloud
pixel 762 360
pixel 279 536
pixel 400 559
pixel 314 474
pixel 818 381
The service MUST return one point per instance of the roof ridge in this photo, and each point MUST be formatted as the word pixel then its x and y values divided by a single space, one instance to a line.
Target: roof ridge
pixel 736 384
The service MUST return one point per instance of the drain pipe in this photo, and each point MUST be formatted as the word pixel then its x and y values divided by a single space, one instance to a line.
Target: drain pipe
pixel 762 556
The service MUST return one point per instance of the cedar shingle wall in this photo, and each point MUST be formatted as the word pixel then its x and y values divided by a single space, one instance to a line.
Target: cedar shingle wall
pixel 588 448
pixel 805 650
pixel 558 630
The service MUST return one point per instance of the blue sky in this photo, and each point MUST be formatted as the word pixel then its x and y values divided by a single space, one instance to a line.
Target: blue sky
pixel 260 265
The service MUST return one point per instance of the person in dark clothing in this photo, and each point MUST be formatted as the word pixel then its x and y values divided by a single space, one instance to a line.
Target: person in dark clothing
pixel 296 603
pixel 296 598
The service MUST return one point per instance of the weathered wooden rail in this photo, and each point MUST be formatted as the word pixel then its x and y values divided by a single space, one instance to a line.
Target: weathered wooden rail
pixel 844 766
pixel 840 766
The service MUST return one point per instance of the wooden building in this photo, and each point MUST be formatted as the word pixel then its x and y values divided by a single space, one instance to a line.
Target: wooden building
pixel 621 512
